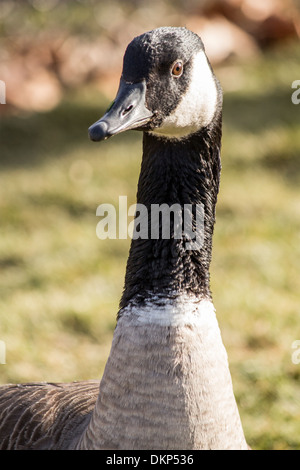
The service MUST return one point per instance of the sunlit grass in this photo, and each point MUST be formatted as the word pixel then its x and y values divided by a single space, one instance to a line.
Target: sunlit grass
pixel 60 285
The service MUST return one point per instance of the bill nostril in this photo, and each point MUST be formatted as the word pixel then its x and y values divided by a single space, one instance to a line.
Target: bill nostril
pixel 127 110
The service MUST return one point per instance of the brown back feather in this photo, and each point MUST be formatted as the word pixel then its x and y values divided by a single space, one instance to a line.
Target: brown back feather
pixel 45 415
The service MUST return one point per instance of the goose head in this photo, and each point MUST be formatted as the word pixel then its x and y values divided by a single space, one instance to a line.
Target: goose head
pixel 167 88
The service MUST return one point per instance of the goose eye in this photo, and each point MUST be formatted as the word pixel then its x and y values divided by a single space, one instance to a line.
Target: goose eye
pixel 177 68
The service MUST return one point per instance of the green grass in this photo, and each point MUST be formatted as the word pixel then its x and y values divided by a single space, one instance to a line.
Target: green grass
pixel 60 285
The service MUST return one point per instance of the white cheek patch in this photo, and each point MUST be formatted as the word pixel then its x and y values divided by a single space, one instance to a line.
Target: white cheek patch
pixel 197 106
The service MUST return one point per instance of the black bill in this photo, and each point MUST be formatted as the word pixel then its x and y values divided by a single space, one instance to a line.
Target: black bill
pixel 128 111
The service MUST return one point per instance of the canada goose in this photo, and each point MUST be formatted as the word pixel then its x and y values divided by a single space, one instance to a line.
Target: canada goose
pixel 166 384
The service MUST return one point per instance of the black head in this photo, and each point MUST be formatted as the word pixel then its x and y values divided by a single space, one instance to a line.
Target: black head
pixel 167 87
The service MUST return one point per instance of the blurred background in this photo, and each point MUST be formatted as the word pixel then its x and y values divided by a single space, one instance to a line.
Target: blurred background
pixel 59 284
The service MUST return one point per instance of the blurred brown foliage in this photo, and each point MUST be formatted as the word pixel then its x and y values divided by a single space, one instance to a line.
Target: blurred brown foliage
pixel 50 46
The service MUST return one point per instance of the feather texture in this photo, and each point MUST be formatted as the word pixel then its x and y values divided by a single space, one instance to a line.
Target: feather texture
pixel 44 415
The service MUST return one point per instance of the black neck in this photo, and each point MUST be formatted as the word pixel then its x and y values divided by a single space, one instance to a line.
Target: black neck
pixel 175 172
